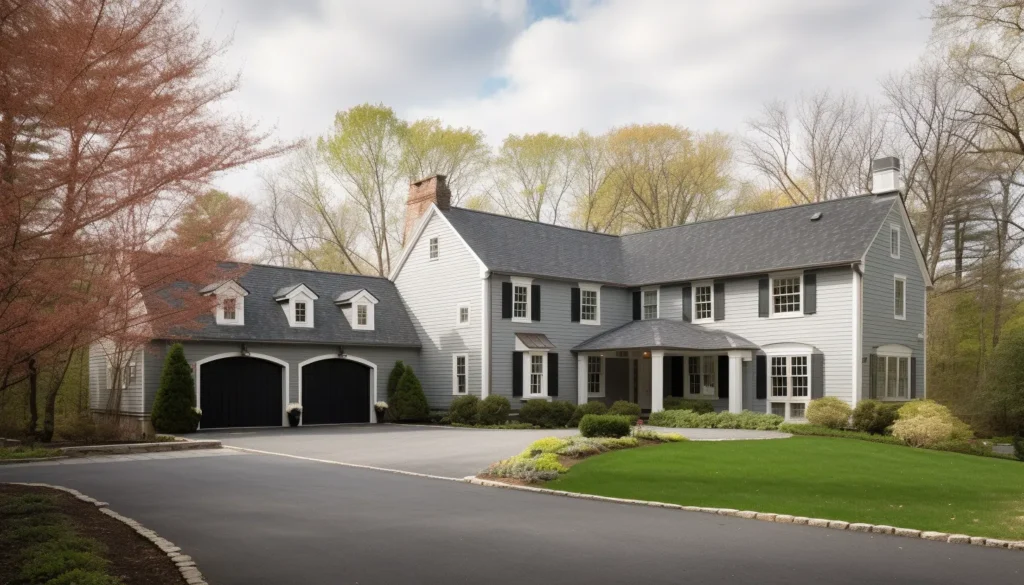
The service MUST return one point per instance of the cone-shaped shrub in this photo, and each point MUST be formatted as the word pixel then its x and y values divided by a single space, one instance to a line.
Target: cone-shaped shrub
pixel 408 402
pixel 396 375
pixel 173 409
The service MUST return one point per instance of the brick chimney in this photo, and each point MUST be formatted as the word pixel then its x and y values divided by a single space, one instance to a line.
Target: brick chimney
pixel 422 193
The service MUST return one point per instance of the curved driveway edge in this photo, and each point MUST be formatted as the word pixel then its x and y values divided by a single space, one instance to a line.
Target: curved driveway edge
pixel 189 572
pixel 769 517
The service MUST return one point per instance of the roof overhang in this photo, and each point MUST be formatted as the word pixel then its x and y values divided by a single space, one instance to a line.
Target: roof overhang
pixel 353 296
pixel 220 288
pixel 533 342
pixel 665 334
pixel 287 293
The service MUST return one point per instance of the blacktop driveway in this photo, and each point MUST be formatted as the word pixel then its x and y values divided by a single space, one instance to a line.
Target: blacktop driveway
pixel 442 451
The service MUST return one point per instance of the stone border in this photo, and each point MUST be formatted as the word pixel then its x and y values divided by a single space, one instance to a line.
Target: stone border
pixel 769 517
pixel 186 566
pixel 132 448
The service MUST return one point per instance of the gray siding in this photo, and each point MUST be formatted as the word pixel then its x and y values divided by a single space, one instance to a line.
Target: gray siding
pixel 294 354
pixel 555 322
pixel 880 325
pixel 432 291
pixel 99 394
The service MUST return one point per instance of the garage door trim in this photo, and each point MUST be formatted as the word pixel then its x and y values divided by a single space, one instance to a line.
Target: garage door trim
pixel 352 358
pixel 259 356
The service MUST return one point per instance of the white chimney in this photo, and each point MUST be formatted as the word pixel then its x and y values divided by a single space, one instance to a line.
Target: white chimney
pixel 885 175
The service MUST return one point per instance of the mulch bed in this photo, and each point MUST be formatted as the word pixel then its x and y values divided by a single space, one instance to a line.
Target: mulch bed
pixel 132 558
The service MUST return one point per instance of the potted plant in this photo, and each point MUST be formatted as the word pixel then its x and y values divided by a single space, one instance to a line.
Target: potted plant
pixel 381 408
pixel 294 413
pixel 197 415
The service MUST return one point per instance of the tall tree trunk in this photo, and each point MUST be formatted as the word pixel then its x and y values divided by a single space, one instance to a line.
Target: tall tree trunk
pixel 958 250
pixel 33 410
pixel 49 413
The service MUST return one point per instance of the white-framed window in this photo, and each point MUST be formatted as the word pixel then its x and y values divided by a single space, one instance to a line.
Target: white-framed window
pixel 128 372
pixel 787 295
pixel 435 248
pixel 894 240
pixel 297 304
pixel 229 309
pixel 521 299
pixel 899 296
pixel 300 312
pixel 702 376
pixel 362 315
pixel 892 373
pixel 789 383
pixel 460 373
pixel 590 304
pixel 538 374
pixel 462 314
pixel 703 303
pixel 650 298
pixel 595 382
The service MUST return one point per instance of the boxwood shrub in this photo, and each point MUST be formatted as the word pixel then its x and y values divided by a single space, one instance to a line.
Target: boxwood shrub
pixel 547 415
pixel 605 425
pixel 585 409
pixel 829 412
pixel 698 406
pixel 872 416
pixel 463 410
pixel 493 410
pixel 625 408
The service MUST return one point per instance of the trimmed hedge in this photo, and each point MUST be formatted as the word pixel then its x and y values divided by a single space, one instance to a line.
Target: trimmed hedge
pixel 547 415
pixel 716 420
pixel 493 410
pixel 698 406
pixel 829 412
pixel 463 410
pixel 875 417
pixel 625 408
pixel 605 425
pixel 585 409
pixel 173 409
pixel 955 446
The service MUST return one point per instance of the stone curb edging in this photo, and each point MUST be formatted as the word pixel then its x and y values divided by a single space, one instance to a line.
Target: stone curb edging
pixel 131 448
pixel 186 566
pixel 769 517
pixel 31 460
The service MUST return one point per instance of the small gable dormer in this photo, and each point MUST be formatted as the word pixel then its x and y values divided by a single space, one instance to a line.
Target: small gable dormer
pixel 358 308
pixel 297 303
pixel 230 308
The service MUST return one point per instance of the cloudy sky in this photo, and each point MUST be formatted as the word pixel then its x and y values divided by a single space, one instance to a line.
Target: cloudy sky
pixel 519 66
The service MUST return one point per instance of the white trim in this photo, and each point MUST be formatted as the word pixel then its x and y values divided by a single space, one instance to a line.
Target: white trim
pixel 455 374
pixel 771 295
pixel 899 278
pixel 351 358
pixel 779 349
pixel 485 336
pixel 894 350
pixel 924 351
pixel 643 295
pixel 582 394
pixel 528 374
pixel 858 339
pixel 520 281
pixel 710 284
pixel 894 229
pixel 898 352
pixel 458 315
pixel 916 248
pixel 431 212
pixel 595 288
pixel 600 376
pixel 687 386
pixel 299 290
pixel 794 350
pixel 261 356
pixel 142 377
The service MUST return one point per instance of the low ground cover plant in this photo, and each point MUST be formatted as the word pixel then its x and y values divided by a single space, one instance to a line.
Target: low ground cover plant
pixel 716 420
pixel 27 452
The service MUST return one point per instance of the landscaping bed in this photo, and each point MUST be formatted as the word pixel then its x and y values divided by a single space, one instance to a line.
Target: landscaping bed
pixel 852 481
pixel 49 537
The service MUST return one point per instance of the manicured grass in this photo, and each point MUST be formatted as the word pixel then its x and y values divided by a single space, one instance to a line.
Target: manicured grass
pixel 817 477
pixel 27 452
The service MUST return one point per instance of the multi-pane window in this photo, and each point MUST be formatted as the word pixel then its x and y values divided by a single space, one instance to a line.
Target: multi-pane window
pixel 798 410
pixel 650 304
pixel 536 374
pixel 790 381
pixel 461 374
pixel 799 382
pixel 594 374
pixel 709 382
pixel 893 377
pixel 899 297
pixel 693 367
pixel 786 295
pixel 894 242
pixel 519 301
pixel 463 315
pixel 588 305
pixel 229 309
pixel 435 248
pixel 780 377
pixel 361 314
pixel 779 409
pixel 702 303
pixel 300 312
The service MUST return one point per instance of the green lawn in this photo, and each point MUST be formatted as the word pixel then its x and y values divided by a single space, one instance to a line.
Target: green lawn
pixel 27 452
pixel 837 479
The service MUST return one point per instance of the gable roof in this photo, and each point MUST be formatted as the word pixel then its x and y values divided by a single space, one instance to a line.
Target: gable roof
pixel 266 322
pixel 745 244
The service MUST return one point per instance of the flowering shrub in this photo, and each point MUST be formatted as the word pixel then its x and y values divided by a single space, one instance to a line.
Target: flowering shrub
pixel 545 445
pixel 197 410
pixel 647 435
pixel 381 405
pixel 294 407
pixel 524 468
pixel 829 412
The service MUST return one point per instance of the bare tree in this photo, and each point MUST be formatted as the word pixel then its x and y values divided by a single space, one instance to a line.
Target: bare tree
pixel 532 175
pixel 595 206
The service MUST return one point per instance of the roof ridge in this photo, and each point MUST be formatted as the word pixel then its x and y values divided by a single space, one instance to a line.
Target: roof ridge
pixel 555 225
pixel 311 270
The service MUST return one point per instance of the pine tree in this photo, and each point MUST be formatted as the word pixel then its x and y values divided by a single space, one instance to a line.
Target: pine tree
pixel 409 403
pixel 173 409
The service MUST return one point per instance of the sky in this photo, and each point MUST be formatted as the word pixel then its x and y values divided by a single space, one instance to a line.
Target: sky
pixel 522 66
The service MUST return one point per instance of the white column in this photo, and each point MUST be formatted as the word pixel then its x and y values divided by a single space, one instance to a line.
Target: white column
pixel 581 379
pixel 736 380
pixel 657 381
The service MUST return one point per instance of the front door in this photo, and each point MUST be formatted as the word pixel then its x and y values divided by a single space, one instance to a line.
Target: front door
pixel 644 383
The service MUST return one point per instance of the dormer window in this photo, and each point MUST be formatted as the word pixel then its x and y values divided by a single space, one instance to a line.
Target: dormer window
pixel 358 308
pixel 297 303
pixel 300 312
pixel 230 308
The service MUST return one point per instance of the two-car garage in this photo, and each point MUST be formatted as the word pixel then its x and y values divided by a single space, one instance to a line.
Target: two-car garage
pixel 250 391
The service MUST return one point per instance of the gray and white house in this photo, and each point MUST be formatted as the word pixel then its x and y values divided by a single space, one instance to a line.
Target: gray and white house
pixel 761 312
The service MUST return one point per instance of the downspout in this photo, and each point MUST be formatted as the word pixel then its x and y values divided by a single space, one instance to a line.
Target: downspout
pixel 857 320
pixel 485 334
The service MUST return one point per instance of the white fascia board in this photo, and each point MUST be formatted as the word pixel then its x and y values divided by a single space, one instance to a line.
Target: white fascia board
pixel 431 212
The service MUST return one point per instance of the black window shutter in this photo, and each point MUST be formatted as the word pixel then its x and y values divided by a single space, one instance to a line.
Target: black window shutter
pixel 574 295
pixel 817 376
pixel 552 374
pixel 506 300
pixel 761 383
pixel 913 378
pixel 677 375
pixel 810 293
pixel 517 373
pixel 719 301
pixel 687 303
pixel 535 302
pixel 723 376
pixel 872 376
pixel 636 306
pixel 762 297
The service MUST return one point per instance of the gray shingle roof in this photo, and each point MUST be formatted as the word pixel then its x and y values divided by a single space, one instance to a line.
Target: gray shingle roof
pixel 535 340
pixel 266 321
pixel 744 244
pixel 664 333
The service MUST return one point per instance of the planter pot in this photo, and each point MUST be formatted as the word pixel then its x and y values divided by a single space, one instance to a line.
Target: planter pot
pixel 293 418
pixel 381 414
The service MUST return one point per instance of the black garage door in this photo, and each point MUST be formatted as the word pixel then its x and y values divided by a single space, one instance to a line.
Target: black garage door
pixel 335 391
pixel 240 392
